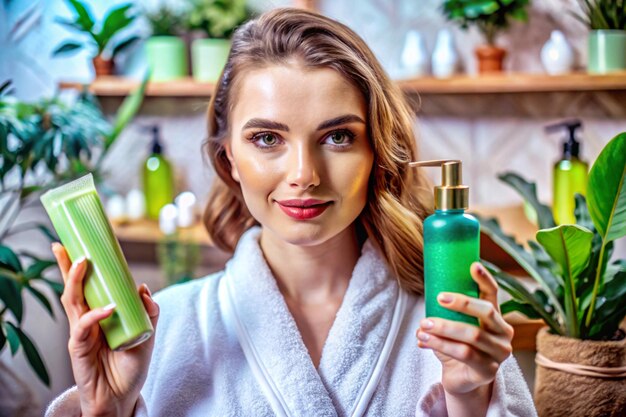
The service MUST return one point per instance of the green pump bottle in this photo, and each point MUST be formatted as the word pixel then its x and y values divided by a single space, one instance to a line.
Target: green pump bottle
pixel 569 174
pixel 451 242
pixel 158 178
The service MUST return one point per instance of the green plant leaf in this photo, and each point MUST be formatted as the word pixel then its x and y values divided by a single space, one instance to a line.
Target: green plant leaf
pixel 32 355
pixel 50 234
pixel 116 20
pixel 36 268
pixel 528 191
pixel 127 111
pixel 84 18
pixel 581 213
pixel 67 47
pixel 126 43
pixel 606 195
pixel 543 276
pixel 9 260
pixel 12 336
pixel 537 301
pixel 57 287
pixel 610 309
pixel 42 299
pixel 10 294
pixel 570 247
pixel 514 305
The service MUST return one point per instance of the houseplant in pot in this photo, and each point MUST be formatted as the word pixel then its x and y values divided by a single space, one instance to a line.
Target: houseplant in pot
pixel 217 20
pixel 166 53
pixel 580 294
pixel 607 40
pixel 490 17
pixel 42 145
pixel 104 39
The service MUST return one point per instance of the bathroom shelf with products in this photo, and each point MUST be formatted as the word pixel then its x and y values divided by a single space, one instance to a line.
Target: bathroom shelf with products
pixel 113 86
pixel 518 95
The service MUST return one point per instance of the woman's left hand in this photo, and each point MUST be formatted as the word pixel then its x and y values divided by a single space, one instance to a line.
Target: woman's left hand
pixel 470 355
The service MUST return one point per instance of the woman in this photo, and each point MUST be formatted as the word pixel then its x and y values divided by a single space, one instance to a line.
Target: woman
pixel 317 312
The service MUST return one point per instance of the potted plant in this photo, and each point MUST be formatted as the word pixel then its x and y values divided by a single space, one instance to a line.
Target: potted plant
pixel 490 17
pixel 580 295
pixel 607 40
pixel 42 145
pixel 103 39
pixel 165 51
pixel 217 20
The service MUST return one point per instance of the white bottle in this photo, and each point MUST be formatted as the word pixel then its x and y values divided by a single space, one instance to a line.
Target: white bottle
pixel 445 58
pixel 414 59
pixel 557 55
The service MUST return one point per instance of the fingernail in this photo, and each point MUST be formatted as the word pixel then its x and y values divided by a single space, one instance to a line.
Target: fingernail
pixel 77 262
pixel 54 245
pixel 423 336
pixel 445 298
pixel 481 269
pixel 147 290
pixel 109 307
pixel 427 324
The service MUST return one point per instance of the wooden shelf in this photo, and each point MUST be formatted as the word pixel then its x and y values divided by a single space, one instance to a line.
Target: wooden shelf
pixel 515 83
pixel 112 86
pixel 504 83
pixel 147 231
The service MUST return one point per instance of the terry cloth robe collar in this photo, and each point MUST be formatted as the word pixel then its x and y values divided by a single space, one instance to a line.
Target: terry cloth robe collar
pixel 356 350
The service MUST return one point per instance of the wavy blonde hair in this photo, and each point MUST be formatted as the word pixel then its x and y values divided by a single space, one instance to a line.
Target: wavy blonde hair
pixel 399 197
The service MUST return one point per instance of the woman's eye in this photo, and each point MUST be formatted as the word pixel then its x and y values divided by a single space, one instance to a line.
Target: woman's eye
pixel 264 140
pixel 340 138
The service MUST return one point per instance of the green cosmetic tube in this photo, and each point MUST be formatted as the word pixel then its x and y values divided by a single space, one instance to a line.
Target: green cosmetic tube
pixel 78 217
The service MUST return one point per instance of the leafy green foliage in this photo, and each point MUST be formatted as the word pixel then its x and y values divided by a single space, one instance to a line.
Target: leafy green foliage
pixel 489 16
pixel 101 38
pixel 603 14
pixel 42 145
pixel 217 18
pixel 581 295
pixel 164 21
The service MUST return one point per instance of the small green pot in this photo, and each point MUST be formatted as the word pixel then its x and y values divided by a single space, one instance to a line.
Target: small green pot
pixel 208 57
pixel 167 58
pixel 607 51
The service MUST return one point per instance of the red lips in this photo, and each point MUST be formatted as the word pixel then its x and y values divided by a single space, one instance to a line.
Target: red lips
pixel 303 209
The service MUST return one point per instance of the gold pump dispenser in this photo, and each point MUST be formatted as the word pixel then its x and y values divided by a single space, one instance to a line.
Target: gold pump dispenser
pixel 451 194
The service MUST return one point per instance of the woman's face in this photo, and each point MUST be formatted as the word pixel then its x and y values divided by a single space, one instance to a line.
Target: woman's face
pixel 300 151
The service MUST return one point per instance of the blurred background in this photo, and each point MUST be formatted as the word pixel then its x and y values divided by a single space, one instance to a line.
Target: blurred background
pixel 492 116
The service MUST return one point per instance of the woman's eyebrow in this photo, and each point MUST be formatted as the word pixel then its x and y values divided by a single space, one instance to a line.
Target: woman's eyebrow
pixel 258 123
pixel 346 118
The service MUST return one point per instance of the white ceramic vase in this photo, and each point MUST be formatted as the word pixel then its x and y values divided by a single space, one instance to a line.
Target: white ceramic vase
pixel 414 59
pixel 557 55
pixel 445 59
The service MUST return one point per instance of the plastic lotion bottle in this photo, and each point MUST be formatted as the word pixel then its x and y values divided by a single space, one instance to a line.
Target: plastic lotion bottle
pixel 451 242
pixel 158 178
pixel 569 174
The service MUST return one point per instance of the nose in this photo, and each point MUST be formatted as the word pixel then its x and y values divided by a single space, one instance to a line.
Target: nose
pixel 302 168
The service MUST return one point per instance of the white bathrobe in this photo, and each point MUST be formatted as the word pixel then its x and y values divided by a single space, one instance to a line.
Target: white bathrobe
pixel 226 345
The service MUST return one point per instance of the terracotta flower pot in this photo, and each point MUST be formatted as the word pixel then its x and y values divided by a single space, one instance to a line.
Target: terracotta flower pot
pixel 490 58
pixel 102 66
pixel 560 392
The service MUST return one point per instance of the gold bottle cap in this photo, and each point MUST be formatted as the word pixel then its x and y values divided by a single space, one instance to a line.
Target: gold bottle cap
pixel 451 194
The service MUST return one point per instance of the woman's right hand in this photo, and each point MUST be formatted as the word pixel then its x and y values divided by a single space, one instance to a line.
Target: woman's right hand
pixel 108 382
